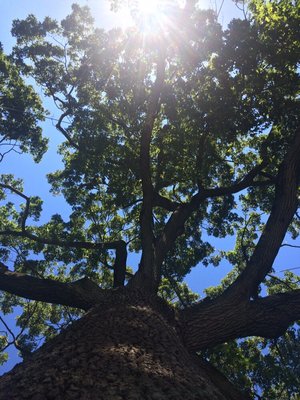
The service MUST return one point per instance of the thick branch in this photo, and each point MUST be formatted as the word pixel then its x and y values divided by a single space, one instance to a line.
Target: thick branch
pixel 82 294
pixel 233 315
pixel 148 272
pixel 120 264
pixel 212 322
pixel 284 207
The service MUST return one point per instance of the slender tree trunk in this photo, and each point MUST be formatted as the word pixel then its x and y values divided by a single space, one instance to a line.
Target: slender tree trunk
pixel 126 348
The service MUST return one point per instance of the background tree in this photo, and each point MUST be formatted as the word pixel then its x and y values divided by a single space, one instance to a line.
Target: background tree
pixel 171 128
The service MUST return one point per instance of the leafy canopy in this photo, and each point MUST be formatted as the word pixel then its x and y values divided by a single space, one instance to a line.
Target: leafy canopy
pixel 20 111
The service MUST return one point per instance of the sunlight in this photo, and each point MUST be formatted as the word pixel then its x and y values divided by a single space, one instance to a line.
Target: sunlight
pixel 147 7
pixel 147 15
pixel 151 17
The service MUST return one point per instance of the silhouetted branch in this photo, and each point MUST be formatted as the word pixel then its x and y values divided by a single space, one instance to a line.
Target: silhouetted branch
pixel 284 207
pixel 175 224
pixel 64 132
pixel 82 294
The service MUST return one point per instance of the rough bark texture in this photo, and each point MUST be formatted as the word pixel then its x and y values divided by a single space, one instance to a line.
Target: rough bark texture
pixel 216 321
pixel 127 349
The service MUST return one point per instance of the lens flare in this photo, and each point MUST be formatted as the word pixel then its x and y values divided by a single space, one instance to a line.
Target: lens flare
pixel 147 7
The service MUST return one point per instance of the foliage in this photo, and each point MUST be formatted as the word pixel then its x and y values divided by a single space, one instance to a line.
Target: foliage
pixel 20 111
pixel 273 366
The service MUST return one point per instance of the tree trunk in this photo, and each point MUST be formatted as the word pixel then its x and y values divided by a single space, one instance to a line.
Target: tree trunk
pixel 126 348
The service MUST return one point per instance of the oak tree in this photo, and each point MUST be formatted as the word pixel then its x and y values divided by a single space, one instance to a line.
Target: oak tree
pixel 175 131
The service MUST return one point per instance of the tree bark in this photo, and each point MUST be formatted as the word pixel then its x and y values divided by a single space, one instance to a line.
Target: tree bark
pixel 206 324
pixel 216 321
pixel 125 348
pixel 82 294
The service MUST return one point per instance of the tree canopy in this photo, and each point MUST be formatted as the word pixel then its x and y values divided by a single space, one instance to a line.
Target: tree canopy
pixel 175 131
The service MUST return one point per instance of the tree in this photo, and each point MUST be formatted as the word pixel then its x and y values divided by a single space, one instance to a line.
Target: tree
pixel 171 128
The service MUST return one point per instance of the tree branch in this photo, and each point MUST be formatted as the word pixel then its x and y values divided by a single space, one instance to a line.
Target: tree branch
pixel 284 207
pixel 14 190
pixel 64 132
pixel 212 322
pixel 175 224
pixel 27 206
pixel 164 202
pixel 61 243
pixel 82 294
pixel 290 245
pixel 118 245
pixel 148 274
pixel 120 264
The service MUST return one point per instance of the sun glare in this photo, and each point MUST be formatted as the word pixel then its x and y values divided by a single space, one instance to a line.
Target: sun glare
pixel 150 16
pixel 147 14
pixel 147 7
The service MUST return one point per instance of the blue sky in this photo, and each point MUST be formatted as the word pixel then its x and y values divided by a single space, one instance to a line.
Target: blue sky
pixel 34 174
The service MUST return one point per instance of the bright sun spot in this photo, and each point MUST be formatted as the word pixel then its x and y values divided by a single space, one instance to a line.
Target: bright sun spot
pixel 147 7
pixel 148 14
